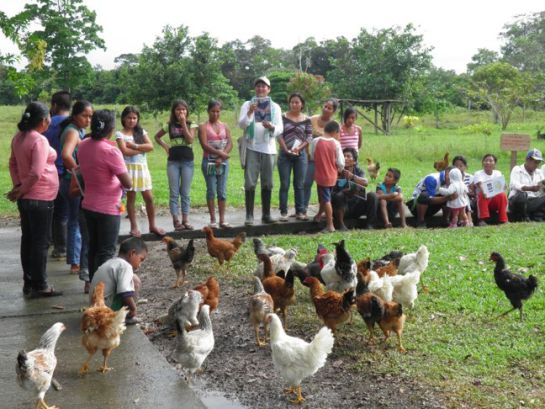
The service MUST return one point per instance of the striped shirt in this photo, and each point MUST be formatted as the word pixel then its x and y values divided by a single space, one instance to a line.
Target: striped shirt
pixel 296 131
pixel 349 138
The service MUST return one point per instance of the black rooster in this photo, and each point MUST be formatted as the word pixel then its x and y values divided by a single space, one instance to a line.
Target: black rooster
pixel 516 287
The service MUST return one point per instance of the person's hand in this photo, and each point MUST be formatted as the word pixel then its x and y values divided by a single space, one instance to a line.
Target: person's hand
pixel 453 196
pixel 181 117
pixel 534 188
pixel 268 125
pixel 348 175
pixel 223 156
pixel 252 108
pixel 166 148
pixel 13 194
pixel 295 151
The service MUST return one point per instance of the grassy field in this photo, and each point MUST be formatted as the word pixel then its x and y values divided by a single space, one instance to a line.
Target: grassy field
pixel 413 151
pixel 456 343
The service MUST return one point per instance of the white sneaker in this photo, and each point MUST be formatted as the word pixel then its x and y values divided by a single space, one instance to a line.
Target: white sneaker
pixel 283 218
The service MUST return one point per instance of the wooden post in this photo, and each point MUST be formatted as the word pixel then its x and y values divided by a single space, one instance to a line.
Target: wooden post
pixel 376 117
pixel 513 159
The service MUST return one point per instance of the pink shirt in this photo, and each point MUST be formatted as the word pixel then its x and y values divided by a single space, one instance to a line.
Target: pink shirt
pixel 32 165
pixel 350 140
pixel 328 160
pixel 100 163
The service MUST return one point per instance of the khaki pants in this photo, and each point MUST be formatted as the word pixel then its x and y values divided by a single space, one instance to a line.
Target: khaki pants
pixel 257 164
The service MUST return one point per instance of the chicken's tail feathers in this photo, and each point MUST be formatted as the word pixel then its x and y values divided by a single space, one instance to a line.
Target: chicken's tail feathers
pixel 377 307
pixel 22 361
pixel 119 319
pixel 258 286
pixel 97 300
pixel 322 344
pixel 422 256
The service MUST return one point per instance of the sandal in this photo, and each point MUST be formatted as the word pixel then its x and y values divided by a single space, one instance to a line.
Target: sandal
pixel 135 233
pixel 213 225
pixel 49 292
pixel 187 226
pixel 225 225
pixel 157 231
pixel 179 226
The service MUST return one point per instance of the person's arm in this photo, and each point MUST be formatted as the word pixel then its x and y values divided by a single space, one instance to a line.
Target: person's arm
pixel 515 182
pixel 307 139
pixel 246 114
pixel 124 148
pixel 71 141
pixel 128 301
pixel 313 147
pixel 144 147
pixel 229 145
pixel 203 139
pixel 360 132
pixel 340 156
pixel 158 138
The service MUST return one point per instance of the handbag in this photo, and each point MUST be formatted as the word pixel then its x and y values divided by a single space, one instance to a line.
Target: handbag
pixel 76 184
pixel 242 148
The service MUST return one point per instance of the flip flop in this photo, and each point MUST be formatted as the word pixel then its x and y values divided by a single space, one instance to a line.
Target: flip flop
pixel 225 225
pixel 213 225
pixel 179 227
pixel 49 292
pixel 188 226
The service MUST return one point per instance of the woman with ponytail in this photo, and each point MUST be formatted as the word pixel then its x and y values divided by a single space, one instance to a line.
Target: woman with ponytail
pixel 35 186
pixel 104 177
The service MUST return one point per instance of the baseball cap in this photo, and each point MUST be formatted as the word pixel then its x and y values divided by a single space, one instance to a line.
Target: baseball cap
pixel 534 154
pixel 264 80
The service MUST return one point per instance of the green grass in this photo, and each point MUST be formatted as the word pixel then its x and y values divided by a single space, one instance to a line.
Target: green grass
pixel 413 151
pixel 456 343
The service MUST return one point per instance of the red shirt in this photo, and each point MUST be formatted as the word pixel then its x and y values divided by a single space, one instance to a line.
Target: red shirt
pixel 328 159
pixel 32 166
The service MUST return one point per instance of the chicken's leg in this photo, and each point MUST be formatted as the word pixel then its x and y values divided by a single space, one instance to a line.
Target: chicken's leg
pixel 299 398
pixel 104 368
pixel 290 390
pixel 258 340
pixel 399 345
pixel 507 312
pixel 85 367
pixel 177 282
pixel 43 405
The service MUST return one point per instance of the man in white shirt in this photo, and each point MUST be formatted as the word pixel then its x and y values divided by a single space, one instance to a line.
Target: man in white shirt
pixel 261 120
pixel 526 194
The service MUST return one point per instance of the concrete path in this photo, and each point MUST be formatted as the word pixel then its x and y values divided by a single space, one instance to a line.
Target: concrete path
pixel 141 378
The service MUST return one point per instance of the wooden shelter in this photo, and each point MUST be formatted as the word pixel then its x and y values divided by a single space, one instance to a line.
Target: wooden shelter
pixel 384 112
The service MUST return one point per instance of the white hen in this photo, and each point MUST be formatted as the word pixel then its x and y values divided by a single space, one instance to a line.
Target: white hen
pixel 296 359
pixel 280 262
pixel 35 368
pixel 414 261
pixel 193 347
pixel 405 291
pixel 185 309
pixel 381 286
pixel 339 273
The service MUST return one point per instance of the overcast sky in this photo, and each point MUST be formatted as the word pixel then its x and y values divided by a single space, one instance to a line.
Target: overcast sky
pixel 455 29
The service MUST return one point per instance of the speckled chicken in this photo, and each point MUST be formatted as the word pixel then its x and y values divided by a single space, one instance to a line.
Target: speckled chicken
pixel 35 368
pixel 180 258
pixel 261 304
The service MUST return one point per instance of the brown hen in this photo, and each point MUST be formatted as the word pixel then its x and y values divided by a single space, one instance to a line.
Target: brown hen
pixel 210 291
pixel 221 249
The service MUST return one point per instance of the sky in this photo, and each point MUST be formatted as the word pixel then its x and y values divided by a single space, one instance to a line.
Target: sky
pixel 455 29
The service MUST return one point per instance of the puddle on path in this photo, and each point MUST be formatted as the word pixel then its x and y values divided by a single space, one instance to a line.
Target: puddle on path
pixel 214 399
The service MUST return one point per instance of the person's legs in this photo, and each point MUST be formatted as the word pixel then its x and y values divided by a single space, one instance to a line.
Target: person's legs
pixel 518 206
pixel 131 211
pixel 211 183
pixel 251 173
pixel 188 168
pixel 536 207
pixel 284 171
pixel 92 233
pixel 383 206
pixel 267 169
pixel 84 255
pixel 307 187
pixel 371 204
pixel 39 216
pixel 26 244
pixel 174 174
pixel 222 193
pixel 338 204
pixel 454 217
pixel 59 228
pixel 147 195
pixel 325 206
pixel 73 242
pixel 299 173
pixel 108 232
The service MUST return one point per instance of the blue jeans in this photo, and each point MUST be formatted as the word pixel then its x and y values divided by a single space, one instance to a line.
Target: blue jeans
pixel 103 230
pixel 299 165
pixel 180 175
pixel 73 235
pixel 309 180
pixel 215 184
pixel 36 218
pixel 84 255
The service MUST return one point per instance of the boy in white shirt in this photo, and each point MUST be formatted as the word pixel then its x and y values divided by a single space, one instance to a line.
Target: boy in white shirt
pixel 120 282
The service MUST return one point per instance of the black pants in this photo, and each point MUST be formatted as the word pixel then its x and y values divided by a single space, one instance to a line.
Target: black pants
pixel 521 206
pixel 103 230
pixel 355 207
pixel 36 217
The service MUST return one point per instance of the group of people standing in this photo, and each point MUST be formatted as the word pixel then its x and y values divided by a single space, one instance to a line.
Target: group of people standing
pixel 71 184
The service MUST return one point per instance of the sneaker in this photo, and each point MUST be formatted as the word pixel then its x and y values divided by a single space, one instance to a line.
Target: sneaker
pixel 421 225
pixel 482 223
pixel 283 217
pixel 301 216
pixel 268 220
pixel 132 320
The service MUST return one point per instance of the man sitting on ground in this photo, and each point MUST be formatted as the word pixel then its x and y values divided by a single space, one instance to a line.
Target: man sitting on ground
pixel 526 195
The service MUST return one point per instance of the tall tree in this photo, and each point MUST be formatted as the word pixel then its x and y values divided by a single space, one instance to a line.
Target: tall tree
pixel 484 56
pixel 67 29
pixel 525 42
pixel 501 86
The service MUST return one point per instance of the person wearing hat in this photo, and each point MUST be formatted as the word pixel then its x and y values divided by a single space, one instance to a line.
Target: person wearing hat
pixel 526 195
pixel 261 120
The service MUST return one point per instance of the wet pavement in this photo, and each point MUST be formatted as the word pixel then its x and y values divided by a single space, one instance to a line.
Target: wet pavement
pixel 141 377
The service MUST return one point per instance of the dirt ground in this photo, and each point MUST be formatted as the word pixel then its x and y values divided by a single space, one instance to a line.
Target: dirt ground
pixel 242 371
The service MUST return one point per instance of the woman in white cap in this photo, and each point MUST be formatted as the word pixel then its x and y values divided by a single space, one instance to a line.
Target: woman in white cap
pixel 261 120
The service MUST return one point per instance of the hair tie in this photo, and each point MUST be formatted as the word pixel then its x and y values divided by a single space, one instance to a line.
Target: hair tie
pixel 26 115
pixel 100 125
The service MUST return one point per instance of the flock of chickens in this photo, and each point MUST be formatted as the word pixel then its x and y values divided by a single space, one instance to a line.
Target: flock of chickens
pixel 380 290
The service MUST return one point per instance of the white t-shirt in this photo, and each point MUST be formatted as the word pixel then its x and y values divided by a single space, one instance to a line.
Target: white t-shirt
pixel 117 275
pixel 482 177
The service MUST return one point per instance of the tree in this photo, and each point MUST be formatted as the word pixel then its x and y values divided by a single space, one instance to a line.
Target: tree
pixel 313 89
pixel 380 65
pixel 67 30
pixel 502 86
pixel 525 43
pixel 484 56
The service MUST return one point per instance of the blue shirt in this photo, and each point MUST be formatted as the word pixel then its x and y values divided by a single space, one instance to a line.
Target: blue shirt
pixel 53 135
